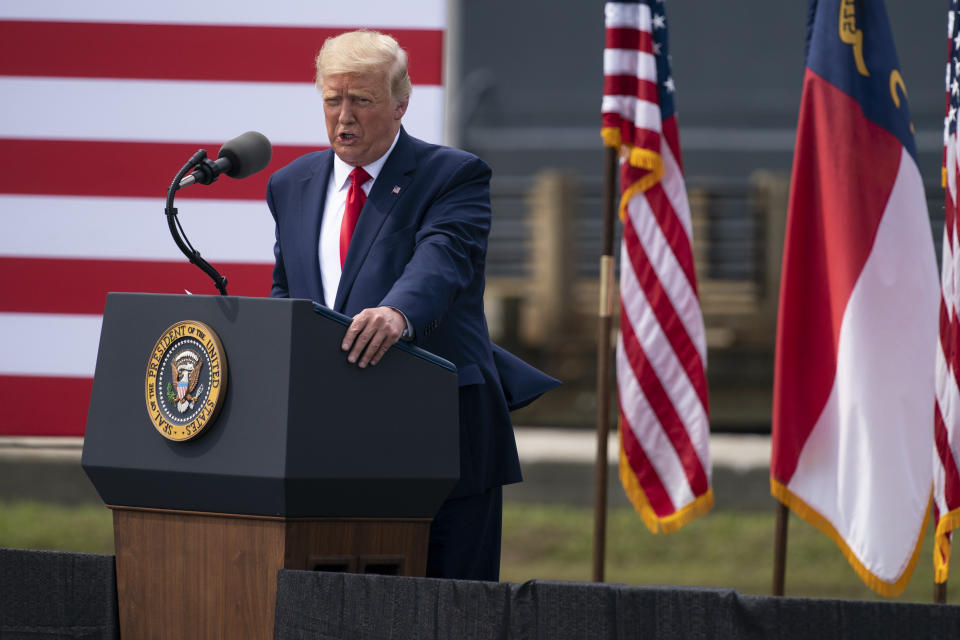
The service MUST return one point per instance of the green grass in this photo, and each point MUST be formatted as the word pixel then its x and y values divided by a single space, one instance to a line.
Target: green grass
pixel 37 525
pixel 722 549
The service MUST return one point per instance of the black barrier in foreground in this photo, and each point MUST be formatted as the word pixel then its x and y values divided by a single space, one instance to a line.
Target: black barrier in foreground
pixel 359 607
pixel 45 594
pixel 50 594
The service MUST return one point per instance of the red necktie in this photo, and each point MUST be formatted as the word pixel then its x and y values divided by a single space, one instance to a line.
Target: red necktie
pixel 355 199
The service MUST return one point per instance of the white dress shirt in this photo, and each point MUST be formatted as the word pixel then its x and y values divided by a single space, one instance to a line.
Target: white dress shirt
pixel 333 210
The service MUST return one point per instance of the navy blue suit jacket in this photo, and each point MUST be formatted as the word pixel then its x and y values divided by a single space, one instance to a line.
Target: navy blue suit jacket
pixel 419 246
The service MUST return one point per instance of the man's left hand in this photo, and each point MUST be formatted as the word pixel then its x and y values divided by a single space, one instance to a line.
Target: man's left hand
pixel 371 333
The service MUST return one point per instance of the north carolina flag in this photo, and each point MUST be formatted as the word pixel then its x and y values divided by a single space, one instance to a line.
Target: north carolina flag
pixel 857 329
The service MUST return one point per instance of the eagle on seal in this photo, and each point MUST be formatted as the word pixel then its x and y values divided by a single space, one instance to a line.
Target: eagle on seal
pixel 186 371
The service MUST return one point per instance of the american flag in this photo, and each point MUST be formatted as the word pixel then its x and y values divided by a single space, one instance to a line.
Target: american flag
pixel 946 476
pixel 661 349
pixel 103 101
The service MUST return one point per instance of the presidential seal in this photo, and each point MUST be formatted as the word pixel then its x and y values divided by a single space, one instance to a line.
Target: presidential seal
pixel 186 380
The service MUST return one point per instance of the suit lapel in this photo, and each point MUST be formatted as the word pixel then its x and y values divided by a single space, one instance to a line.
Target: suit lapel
pixel 397 172
pixel 313 193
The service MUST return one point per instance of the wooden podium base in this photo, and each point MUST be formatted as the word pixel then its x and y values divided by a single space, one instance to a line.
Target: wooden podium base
pixel 206 575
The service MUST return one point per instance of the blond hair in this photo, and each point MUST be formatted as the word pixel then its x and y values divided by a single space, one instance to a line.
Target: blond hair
pixel 365 51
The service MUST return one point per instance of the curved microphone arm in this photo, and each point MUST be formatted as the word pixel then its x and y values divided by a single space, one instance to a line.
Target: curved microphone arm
pixel 177 231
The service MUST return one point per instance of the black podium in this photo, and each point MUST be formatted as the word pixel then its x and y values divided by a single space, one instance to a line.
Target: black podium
pixel 312 462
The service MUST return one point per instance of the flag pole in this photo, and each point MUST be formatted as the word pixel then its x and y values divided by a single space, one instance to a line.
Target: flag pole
pixel 780 549
pixel 604 328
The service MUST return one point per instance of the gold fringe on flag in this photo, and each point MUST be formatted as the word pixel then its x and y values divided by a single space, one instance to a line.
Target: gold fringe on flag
pixel 638 498
pixel 611 137
pixel 808 513
pixel 641 185
pixel 941 545
pixel 637 157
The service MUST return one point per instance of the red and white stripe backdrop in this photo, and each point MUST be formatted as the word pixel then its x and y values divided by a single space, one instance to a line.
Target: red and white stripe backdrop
pixel 103 101
pixel 661 350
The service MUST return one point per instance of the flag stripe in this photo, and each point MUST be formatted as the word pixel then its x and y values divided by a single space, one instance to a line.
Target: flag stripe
pixel 39 344
pixel 673 186
pixel 133 229
pixel 645 472
pixel 169 52
pixel 671 136
pixel 951 487
pixel 417 14
pixel 44 406
pixel 669 271
pixel 167 111
pixel 643 114
pixel 661 306
pixel 945 354
pixel 635 15
pixel 685 385
pixel 623 62
pixel 669 422
pixel 672 396
pixel 626 88
pixel 673 232
pixel 122 169
pixel 629 38
pixel 949 328
pixel 80 286
pixel 659 430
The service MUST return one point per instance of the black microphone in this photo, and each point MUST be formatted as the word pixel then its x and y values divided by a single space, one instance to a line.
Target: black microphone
pixel 238 158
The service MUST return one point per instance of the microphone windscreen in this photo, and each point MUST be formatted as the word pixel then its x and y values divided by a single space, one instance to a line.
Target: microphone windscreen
pixel 248 153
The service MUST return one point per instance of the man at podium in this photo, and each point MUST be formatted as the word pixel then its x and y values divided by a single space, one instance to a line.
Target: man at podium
pixel 393 231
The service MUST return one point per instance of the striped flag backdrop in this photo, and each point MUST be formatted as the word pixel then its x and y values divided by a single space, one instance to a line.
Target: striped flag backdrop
pixel 946 459
pixel 857 326
pixel 661 351
pixel 103 101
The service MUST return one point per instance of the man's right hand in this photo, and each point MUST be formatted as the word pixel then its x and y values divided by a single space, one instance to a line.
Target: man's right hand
pixel 371 333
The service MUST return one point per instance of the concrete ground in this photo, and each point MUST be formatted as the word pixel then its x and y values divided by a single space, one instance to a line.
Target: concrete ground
pixel 558 467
